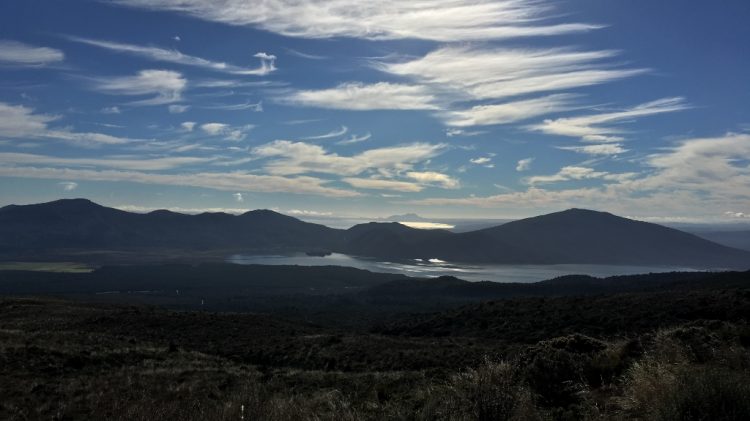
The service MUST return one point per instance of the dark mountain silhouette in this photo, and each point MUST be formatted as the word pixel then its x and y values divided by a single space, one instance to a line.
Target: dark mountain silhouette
pixel 392 240
pixel 572 236
pixel 585 236
pixel 82 224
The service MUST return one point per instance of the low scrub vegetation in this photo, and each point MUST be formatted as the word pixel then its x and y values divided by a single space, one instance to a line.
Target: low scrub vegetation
pixel 63 360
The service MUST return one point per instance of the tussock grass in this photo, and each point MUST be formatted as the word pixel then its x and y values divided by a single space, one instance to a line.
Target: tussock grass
pixel 65 361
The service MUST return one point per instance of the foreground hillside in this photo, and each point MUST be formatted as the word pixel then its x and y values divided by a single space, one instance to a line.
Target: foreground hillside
pixel 82 230
pixel 664 348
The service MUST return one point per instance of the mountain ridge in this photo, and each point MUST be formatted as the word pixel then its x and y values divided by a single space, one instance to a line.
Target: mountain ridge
pixel 575 235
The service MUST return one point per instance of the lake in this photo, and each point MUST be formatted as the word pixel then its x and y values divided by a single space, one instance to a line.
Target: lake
pixel 468 272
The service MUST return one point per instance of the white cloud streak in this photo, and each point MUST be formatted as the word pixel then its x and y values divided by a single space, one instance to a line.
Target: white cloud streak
pixel 229 132
pixel 454 74
pixel 381 184
pixel 267 61
pixel 214 129
pixel 453 132
pixel 360 96
pixel 68 185
pixel 509 112
pixel 256 107
pixel 178 109
pixel 18 54
pixel 333 133
pixel 598 127
pixel 437 20
pixel 231 181
pixel 288 158
pixel 132 163
pixel 600 149
pixel 524 164
pixel 111 110
pixel 166 86
pixel 578 173
pixel 434 178
pixel 483 160
pixel 476 73
pixel 22 123
pixel 352 139
pixel 305 55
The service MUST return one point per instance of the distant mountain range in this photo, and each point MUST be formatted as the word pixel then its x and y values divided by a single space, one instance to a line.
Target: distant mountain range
pixel 571 236
pixel 737 239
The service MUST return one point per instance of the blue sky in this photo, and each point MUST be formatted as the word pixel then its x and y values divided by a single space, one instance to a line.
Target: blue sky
pixel 446 108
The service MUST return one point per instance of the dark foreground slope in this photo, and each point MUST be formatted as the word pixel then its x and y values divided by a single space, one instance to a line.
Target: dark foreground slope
pixel 677 352
pixel 82 229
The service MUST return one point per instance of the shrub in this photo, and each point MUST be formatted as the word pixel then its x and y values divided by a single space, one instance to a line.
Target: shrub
pixel 561 368
pixel 664 392
pixel 492 391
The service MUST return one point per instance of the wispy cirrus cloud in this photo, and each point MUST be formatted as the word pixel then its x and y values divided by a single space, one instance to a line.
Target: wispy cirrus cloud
pixel 598 149
pixel 23 123
pixel 436 20
pixel 445 79
pixel 252 106
pixel 165 86
pixel 600 128
pixel 267 61
pixel 225 181
pixel 524 164
pixel 333 133
pixel 305 55
pixel 508 112
pixel 482 160
pixel 68 185
pixel 361 96
pixel 111 110
pixel 485 161
pixel 177 108
pixel 288 158
pixel 19 54
pixel 434 178
pixel 387 168
pixel 229 132
pixel 383 184
pixel 419 180
pixel 125 163
pixel 352 139
pixel 453 132
pixel 490 73
pixel 578 173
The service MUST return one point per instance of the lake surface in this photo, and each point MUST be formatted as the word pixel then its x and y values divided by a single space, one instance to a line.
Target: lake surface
pixel 434 267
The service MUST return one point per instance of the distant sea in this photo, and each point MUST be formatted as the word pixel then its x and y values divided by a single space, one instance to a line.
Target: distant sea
pixel 467 272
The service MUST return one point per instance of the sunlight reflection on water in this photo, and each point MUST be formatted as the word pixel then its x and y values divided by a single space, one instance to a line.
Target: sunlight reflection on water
pixel 437 267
